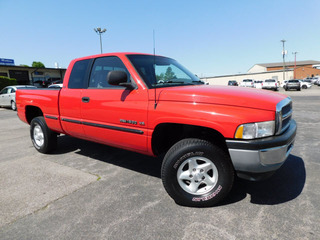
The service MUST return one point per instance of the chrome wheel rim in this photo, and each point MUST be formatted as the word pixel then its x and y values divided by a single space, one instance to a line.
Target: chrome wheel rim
pixel 197 175
pixel 38 135
pixel 13 105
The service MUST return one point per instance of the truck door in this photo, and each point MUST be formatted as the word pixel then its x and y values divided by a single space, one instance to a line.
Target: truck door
pixel 70 99
pixel 114 115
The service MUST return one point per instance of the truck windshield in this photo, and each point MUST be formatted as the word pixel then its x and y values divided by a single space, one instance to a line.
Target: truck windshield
pixel 159 71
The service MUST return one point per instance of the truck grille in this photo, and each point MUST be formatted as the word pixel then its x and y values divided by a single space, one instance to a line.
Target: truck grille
pixel 283 115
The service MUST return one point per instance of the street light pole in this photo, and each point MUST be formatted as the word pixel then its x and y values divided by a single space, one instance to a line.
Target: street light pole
pixel 99 31
pixel 283 56
pixel 295 64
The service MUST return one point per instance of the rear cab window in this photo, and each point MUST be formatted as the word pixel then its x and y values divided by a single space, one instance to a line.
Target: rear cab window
pixel 78 77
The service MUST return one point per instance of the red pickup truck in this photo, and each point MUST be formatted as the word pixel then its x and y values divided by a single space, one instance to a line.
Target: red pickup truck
pixel 153 105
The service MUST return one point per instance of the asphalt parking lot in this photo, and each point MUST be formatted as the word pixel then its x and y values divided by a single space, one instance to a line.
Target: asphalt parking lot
pixel 86 190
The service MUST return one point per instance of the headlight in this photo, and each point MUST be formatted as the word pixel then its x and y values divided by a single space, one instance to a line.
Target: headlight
pixel 255 130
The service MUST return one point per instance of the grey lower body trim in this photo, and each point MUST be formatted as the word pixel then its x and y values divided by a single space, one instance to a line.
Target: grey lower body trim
pixel 260 161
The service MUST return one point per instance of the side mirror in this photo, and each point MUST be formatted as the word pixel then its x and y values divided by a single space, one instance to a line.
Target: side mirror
pixel 119 78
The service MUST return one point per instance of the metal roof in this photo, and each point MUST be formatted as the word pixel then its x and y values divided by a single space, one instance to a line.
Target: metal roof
pixel 29 68
pixel 280 64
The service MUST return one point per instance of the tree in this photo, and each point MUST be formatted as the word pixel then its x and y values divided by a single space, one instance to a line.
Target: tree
pixel 160 77
pixel 38 65
pixel 169 74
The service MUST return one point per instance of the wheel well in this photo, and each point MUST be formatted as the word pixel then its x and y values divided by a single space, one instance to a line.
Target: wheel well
pixel 167 134
pixel 32 112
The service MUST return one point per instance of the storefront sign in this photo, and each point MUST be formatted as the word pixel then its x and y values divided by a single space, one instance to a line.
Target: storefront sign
pixel 4 61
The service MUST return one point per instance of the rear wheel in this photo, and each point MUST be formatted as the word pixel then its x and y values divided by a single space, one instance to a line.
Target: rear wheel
pixel 197 173
pixel 43 139
pixel 13 105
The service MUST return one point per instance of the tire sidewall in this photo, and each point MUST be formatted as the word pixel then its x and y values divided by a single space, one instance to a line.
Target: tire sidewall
pixel 39 121
pixel 13 106
pixel 212 153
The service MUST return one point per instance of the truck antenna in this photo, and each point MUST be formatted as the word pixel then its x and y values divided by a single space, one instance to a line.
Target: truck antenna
pixel 154 70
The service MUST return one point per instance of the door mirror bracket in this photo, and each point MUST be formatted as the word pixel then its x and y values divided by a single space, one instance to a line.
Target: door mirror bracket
pixel 119 78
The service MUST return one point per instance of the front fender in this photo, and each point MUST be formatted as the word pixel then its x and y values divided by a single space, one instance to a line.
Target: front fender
pixel 222 118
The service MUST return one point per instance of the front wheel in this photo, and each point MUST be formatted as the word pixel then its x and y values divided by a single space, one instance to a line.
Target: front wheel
pixel 43 139
pixel 197 173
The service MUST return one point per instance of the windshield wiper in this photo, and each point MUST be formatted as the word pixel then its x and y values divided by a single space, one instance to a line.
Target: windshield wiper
pixel 169 81
pixel 175 81
pixel 199 82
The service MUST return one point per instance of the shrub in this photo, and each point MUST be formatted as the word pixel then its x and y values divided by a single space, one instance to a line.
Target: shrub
pixel 5 81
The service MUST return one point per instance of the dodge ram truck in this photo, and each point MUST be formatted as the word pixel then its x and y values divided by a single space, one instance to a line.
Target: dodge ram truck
pixel 153 105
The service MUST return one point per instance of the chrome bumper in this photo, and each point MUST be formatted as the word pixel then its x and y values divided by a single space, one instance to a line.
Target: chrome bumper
pixel 251 158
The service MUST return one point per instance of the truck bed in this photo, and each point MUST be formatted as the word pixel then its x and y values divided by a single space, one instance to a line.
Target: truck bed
pixel 45 100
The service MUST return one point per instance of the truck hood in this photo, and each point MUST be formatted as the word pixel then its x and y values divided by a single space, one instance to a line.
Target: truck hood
pixel 232 96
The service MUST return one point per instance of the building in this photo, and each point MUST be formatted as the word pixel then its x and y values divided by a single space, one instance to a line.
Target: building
pixel 298 70
pixel 30 75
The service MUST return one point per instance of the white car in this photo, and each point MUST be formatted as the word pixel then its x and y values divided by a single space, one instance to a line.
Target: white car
pixel 8 95
pixel 57 85
pixel 311 79
pixel 283 84
pixel 258 84
pixel 305 84
pixel 247 83
pixel 270 84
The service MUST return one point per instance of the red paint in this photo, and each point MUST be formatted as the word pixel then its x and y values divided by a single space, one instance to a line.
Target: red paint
pixel 220 108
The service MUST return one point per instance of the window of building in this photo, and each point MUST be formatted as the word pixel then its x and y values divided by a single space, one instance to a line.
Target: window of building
pixel 3 74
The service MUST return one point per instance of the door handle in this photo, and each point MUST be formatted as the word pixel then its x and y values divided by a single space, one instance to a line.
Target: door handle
pixel 85 99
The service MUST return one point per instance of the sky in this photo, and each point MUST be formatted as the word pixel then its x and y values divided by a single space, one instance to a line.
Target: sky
pixel 210 38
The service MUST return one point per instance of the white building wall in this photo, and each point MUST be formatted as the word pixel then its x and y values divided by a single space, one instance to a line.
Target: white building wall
pixel 257 69
pixel 223 80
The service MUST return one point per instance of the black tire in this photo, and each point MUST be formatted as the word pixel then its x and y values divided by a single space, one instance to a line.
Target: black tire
pixel 210 183
pixel 299 89
pixel 43 139
pixel 13 105
pixel 304 87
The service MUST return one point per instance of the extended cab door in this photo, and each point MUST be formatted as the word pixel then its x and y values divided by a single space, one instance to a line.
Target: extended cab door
pixel 114 115
pixel 70 98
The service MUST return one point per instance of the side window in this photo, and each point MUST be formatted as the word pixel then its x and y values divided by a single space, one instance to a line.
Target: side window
pixel 13 90
pixel 4 91
pixel 101 68
pixel 78 74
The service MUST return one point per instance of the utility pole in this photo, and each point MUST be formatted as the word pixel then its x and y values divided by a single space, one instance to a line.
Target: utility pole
pixel 99 31
pixel 295 64
pixel 283 56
